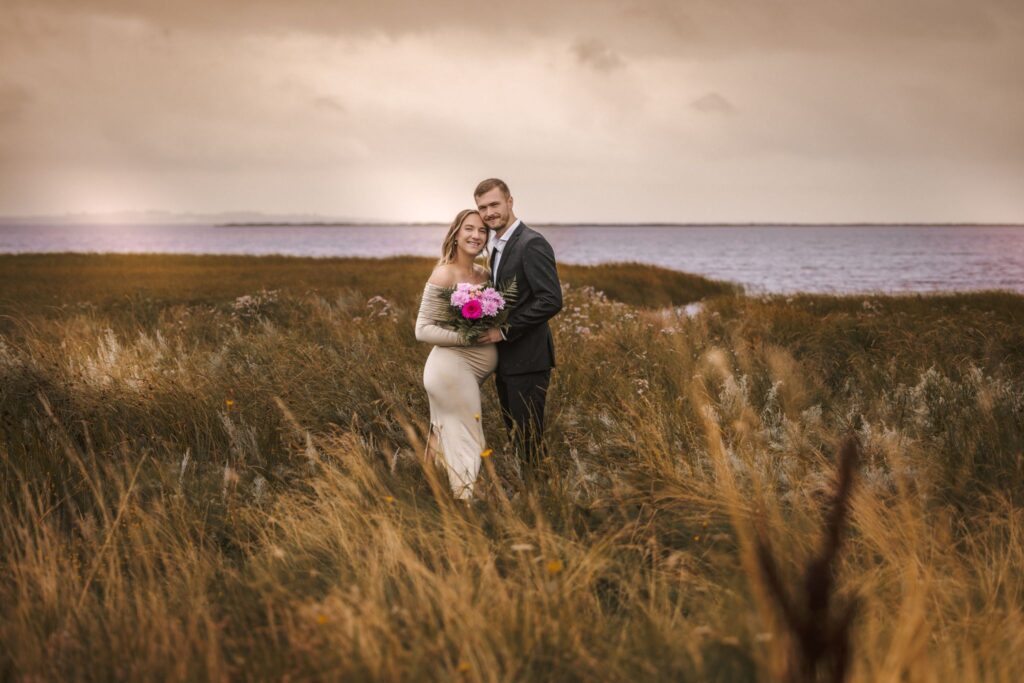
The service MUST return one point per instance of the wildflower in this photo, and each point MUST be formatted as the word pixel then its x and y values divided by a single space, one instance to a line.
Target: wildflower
pixel 322 619
pixel 486 453
pixel 229 403
pixel 389 499
pixel 555 567
pixel 697 537
pixel 379 306
pixel 464 666
pixel 259 486
pixel 477 417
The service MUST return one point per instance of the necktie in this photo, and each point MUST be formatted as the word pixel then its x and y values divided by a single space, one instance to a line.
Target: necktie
pixel 495 253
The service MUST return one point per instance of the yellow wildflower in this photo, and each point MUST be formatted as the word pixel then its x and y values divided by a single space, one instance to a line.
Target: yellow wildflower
pixel 487 453
pixel 389 499
pixel 464 666
pixel 229 403
pixel 322 619
pixel 555 567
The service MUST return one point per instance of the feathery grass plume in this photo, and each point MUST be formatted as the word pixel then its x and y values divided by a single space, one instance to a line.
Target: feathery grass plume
pixel 819 630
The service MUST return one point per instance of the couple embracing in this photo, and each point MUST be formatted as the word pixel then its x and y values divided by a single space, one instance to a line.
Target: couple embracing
pixel 505 333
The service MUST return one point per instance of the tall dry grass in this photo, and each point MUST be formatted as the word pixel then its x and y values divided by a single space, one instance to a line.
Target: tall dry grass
pixel 209 472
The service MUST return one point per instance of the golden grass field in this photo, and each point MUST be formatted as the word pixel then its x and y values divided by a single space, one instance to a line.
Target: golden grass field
pixel 210 471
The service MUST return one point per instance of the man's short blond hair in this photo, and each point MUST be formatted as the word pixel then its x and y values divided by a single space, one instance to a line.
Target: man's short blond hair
pixel 486 186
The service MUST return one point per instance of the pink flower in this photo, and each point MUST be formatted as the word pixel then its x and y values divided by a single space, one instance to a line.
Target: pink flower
pixel 491 294
pixel 472 310
pixel 490 307
pixel 464 291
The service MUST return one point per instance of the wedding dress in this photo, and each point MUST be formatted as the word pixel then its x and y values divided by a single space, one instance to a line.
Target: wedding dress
pixel 452 377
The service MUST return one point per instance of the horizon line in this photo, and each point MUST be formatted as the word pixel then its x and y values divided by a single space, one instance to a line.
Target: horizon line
pixel 621 224
pixel 314 221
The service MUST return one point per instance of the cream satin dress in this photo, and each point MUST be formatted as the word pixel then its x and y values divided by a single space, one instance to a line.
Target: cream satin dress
pixel 452 377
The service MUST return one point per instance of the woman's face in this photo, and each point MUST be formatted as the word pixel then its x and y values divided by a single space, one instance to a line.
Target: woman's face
pixel 472 237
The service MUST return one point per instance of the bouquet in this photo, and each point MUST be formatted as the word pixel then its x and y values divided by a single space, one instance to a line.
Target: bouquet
pixel 472 309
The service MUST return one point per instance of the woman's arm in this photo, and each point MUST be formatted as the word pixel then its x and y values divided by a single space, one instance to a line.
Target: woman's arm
pixel 427 329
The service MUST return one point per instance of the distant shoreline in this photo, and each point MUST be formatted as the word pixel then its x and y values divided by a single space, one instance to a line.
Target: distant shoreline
pixel 28 221
pixel 351 224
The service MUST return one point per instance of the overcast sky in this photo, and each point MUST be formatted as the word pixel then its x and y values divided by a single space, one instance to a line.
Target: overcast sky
pixel 650 110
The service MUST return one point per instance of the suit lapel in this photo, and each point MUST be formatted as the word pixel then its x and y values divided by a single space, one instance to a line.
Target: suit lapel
pixel 507 251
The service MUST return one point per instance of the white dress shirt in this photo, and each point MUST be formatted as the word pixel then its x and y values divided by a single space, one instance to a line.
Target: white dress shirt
pixel 497 244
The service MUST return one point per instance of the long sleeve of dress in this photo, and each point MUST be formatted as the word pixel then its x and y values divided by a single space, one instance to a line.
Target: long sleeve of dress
pixel 432 311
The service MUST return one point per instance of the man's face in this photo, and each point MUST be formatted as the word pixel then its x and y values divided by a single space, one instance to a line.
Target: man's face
pixel 495 208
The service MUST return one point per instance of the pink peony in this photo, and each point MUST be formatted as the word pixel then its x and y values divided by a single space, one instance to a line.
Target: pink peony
pixel 472 310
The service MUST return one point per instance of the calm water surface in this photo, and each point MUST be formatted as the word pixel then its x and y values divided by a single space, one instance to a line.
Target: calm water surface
pixel 762 258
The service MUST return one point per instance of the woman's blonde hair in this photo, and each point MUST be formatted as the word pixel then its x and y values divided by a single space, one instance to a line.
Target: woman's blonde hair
pixel 450 245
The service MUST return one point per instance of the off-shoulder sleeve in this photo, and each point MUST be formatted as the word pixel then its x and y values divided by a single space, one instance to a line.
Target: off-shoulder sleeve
pixel 427 329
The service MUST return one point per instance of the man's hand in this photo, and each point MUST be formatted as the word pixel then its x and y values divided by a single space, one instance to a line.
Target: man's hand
pixel 489 337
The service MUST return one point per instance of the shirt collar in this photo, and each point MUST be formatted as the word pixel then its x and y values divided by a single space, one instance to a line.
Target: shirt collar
pixel 505 236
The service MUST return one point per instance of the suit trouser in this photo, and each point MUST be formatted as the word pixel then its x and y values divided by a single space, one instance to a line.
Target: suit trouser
pixel 522 406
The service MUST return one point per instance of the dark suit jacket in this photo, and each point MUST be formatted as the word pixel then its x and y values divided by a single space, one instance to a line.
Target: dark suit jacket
pixel 529 346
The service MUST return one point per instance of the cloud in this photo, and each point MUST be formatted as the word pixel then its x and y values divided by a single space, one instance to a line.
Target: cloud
pixel 595 54
pixel 319 105
pixel 644 26
pixel 14 100
pixel 330 104
pixel 713 103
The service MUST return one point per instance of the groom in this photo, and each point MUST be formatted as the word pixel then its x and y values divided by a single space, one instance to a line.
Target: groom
pixel 526 351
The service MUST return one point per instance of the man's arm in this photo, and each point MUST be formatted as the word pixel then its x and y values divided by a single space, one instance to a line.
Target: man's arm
pixel 542 276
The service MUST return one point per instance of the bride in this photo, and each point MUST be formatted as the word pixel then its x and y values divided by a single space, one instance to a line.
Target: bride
pixel 455 369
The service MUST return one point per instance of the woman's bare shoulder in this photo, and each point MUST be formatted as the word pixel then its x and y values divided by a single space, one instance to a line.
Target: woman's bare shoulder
pixel 443 275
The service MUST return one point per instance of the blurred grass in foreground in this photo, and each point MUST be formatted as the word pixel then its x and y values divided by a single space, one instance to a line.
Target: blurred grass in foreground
pixel 209 471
